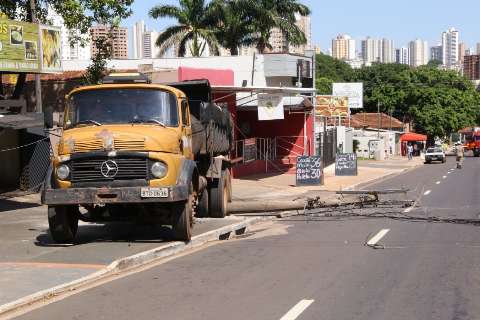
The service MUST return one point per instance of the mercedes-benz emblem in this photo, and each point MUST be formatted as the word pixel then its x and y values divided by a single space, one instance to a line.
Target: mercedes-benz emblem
pixel 109 169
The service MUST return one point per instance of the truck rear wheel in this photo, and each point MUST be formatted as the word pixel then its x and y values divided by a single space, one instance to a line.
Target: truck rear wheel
pixel 183 220
pixel 63 223
pixel 219 197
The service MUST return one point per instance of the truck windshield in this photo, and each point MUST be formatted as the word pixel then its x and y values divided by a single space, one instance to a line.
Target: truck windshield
pixel 119 106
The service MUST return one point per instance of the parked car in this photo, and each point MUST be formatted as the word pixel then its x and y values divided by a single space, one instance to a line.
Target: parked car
pixel 435 154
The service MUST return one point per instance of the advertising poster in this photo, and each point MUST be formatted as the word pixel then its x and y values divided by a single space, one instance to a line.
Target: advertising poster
pixel 51 49
pixel 19 48
pixel 330 106
pixel 270 107
pixel 354 92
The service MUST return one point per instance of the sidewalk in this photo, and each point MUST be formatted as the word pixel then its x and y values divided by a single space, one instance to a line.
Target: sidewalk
pixel 273 191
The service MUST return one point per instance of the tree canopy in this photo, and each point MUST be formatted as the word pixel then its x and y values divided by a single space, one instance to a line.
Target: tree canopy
pixel 436 102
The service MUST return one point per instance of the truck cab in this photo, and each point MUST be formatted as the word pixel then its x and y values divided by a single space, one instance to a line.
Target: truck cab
pixel 125 144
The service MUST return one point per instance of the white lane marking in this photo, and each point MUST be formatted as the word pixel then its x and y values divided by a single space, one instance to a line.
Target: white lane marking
pixel 444 177
pixel 373 241
pixel 297 310
pixel 427 192
pixel 408 209
pixel 438 182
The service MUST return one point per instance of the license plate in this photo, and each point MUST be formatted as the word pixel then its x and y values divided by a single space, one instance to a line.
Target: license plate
pixel 154 192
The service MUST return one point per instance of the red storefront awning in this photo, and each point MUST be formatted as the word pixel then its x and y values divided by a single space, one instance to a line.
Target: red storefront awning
pixel 412 136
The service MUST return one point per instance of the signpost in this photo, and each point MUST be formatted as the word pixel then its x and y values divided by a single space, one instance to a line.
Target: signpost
pixel 309 171
pixel 346 164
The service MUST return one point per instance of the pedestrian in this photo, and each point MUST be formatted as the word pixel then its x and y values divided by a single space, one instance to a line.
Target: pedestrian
pixel 459 157
pixel 410 151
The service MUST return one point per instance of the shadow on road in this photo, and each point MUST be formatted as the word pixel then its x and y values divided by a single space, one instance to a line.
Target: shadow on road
pixel 9 205
pixel 112 232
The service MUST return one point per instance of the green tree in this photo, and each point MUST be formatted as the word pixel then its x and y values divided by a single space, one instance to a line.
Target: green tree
pixel 196 25
pixel 269 14
pixel 330 70
pixel 435 102
pixel 234 24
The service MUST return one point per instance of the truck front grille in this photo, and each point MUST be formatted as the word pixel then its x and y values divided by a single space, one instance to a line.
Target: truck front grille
pixel 90 170
pixel 118 144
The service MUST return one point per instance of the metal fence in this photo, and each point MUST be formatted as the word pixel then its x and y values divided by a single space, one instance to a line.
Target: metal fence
pixel 327 146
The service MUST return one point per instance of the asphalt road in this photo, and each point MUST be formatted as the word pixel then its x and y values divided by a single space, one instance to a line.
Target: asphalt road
pixel 298 269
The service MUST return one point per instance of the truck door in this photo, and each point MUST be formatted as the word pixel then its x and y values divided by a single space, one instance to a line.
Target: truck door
pixel 186 131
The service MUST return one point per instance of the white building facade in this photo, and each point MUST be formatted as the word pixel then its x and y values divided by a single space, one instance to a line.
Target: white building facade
pixel 418 51
pixel 450 50
pixel 402 56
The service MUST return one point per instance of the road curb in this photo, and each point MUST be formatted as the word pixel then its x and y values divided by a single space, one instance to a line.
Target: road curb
pixel 131 262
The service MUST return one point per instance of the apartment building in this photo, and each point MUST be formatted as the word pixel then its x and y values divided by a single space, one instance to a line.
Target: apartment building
pixel 344 47
pixel 418 51
pixel 471 67
pixel 119 42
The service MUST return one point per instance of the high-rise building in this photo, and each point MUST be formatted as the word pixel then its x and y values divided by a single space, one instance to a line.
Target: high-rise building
pixel 436 53
pixel 388 51
pixel 418 51
pixel 371 50
pixel 139 30
pixel 74 51
pixel 450 42
pixel 343 47
pixel 119 42
pixel 471 67
pixel 402 56
pixel 461 52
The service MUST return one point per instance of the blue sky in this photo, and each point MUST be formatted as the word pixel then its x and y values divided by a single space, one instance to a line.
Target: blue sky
pixel 400 21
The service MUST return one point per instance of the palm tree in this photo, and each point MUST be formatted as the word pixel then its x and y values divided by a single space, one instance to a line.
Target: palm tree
pixel 195 29
pixel 234 26
pixel 269 14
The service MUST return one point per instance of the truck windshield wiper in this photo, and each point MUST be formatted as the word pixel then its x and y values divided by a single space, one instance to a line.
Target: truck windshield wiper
pixel 148 121
pixel 88 122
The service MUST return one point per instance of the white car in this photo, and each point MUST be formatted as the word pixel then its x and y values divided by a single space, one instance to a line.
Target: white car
pixel 435 154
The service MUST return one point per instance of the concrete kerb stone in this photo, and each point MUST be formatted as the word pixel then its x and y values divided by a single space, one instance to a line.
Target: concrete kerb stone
pixel 129 263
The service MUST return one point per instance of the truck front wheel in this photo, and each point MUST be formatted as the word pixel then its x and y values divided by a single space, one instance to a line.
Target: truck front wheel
pixel 63 223
pixel 219 197
pixel 183 220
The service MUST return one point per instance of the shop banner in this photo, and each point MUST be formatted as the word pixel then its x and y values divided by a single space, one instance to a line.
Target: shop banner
pixel 330 106
pixel 51 49
pixel 28 47
pixel 19 46
pixel 270 107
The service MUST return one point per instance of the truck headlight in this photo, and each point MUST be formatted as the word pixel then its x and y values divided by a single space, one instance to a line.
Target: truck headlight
pixel 63 171
pixel 159 170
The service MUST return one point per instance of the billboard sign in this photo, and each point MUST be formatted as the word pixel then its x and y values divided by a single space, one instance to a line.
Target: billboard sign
pixel 270 107
pixel 330 106
pixel 19 46
pixel 28 47
pixel 354 92
pixel 51 49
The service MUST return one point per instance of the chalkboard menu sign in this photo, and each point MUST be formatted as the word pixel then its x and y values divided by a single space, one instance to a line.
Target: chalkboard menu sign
pixel 346 164
pixel 309 170
pixel 250 150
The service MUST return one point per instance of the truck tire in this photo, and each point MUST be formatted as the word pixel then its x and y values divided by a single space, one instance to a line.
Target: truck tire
pixel 219 197
pixel 63 223
pixel 183 220
pixel 202 207
pixel 229 184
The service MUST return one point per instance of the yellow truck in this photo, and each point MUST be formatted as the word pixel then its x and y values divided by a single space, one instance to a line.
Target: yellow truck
pixel 134 150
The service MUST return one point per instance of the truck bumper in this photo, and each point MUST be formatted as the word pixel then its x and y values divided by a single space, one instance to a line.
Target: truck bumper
pixel 90 196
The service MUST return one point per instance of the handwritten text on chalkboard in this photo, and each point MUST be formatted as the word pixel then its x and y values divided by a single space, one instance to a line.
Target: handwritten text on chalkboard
pixel 309 170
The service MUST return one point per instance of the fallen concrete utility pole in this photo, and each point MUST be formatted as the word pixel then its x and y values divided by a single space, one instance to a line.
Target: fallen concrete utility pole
pixel 297 204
